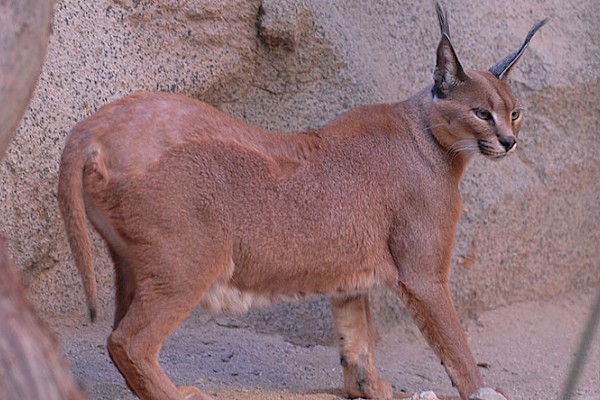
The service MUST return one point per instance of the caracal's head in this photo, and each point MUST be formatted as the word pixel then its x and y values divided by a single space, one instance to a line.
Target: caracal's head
pixel 475 111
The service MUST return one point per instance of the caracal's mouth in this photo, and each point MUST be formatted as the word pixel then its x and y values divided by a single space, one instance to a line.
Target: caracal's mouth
pixel 491 148
pixel 494 149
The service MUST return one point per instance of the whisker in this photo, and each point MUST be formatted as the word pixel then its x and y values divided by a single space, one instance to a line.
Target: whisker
pixel 466 147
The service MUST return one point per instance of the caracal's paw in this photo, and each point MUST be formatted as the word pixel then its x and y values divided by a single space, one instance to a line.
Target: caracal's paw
pixel 383 390
pixel 193 393
pixel 488 394
pixel 380 390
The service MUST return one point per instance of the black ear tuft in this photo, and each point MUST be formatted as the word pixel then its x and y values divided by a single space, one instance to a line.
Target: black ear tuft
pixel 443 20
pixel 448 74
pixel 502 68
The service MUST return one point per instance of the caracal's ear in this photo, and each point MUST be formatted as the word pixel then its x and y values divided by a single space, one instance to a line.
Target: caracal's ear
pixel 502 68
pixel 448 72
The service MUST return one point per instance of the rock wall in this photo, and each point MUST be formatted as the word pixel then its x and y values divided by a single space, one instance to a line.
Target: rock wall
pixel 530 227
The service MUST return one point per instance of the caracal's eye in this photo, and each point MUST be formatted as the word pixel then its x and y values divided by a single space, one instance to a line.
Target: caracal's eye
pixel 515 115
pixel 483 114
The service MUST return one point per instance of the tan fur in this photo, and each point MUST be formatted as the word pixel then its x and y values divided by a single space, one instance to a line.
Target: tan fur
pixel 199 208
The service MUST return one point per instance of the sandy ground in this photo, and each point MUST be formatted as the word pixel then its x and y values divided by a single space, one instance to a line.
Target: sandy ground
pixel 525 348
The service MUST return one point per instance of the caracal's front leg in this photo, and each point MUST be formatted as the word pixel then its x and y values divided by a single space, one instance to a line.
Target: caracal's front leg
pixel 357 338
pixel 430 305
pixel 423 259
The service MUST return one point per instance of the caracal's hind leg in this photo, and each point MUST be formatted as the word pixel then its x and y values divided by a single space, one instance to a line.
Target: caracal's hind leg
pixel 431 306
pixel 166 291
pixel 124 286
pixel 134 346
pixel 357 339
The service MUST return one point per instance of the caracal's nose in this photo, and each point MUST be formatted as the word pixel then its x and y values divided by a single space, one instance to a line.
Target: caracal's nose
pixel 508 142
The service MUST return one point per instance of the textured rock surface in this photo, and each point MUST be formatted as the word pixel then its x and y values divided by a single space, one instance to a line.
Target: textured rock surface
pixel 31 364
pixel 530 224
pixel 24 31
pixel 429 395
pixel 486 394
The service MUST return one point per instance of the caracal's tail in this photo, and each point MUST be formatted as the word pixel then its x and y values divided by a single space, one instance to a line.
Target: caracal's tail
pixel 72 209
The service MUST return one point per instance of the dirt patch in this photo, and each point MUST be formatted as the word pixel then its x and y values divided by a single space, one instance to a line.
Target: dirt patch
pixel 525 348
